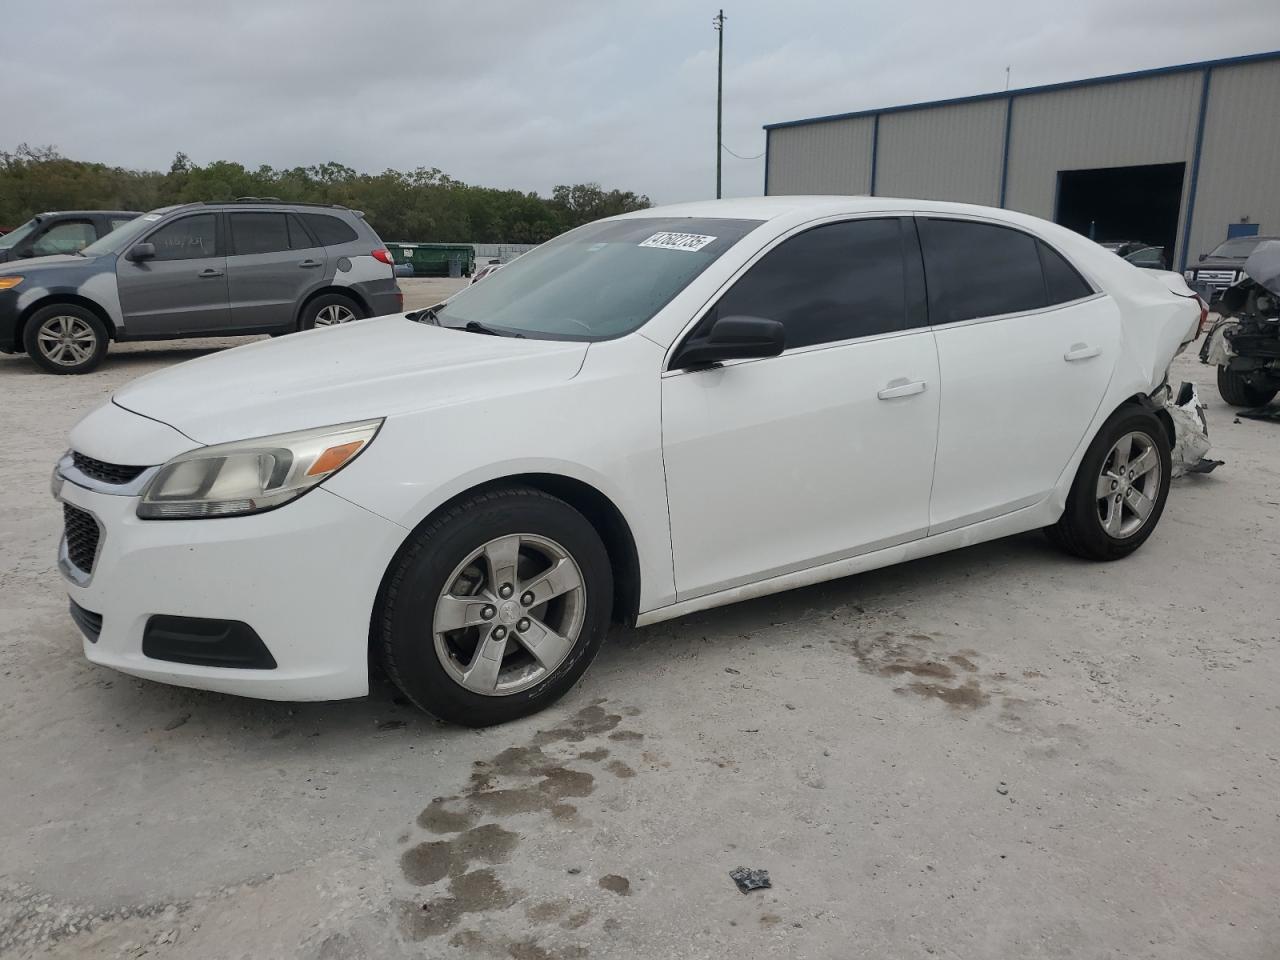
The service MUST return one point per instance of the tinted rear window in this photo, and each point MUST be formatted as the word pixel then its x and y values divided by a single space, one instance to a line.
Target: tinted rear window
pixel 979 270
pixel 258 233
pixel 1061 281
pixel 329 230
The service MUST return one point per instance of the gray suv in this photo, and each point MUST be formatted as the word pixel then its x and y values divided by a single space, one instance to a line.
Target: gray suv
pixel 197 270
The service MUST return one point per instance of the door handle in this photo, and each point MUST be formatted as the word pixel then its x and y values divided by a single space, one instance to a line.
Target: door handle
pixel 309 263
pixel 209 272
pixel 1081 351
pixel 902 387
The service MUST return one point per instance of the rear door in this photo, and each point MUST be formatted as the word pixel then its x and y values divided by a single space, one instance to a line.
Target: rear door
pixel 273 262
pixel 183 290
pixel 1026 349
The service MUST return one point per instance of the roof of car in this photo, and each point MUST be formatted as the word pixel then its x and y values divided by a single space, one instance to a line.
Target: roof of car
pixel 768 208
pixel 81 213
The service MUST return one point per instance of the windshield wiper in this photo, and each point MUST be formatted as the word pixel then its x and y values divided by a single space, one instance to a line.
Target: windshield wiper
pixel 475 326
pixel 425 315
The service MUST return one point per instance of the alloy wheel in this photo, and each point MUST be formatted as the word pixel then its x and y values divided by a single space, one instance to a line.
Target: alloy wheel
pixel 334 314
pixel 509 614
pixel 66 340
pixel 1129 485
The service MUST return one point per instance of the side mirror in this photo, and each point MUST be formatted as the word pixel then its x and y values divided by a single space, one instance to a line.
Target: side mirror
pixel 733 338
pixel 142 251
pixel 1203 257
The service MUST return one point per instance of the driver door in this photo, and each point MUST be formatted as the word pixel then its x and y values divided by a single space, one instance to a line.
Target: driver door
pixel 826 451
pixel 182 291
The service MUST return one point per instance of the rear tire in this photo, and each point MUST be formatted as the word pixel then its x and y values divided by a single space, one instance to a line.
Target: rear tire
pixel 65 338
pixel 1102 518
pixel 1239 392
pixel 329 309
pixel 506 611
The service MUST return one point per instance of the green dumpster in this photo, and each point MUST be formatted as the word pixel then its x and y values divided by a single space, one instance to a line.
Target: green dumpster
pixel 435 259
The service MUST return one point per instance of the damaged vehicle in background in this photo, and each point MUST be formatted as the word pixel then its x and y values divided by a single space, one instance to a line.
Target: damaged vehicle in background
pixel 1244 344
pixel 651 415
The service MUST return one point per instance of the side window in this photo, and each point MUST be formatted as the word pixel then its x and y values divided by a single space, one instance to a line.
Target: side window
pixel 299 239
pixel 979 270
pixel 329 230
pixel 831 283
pixel 258 233
pixel 1061 281
pixel 187 239
pixel 69 236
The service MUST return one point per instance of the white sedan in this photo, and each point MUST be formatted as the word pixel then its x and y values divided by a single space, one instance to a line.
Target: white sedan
pixel 652 414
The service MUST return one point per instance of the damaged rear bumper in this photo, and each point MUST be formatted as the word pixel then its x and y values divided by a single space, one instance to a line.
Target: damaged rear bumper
pixel 1190 429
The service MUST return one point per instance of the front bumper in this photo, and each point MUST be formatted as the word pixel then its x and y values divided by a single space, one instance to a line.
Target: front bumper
pixel 9 314
pixel 303 576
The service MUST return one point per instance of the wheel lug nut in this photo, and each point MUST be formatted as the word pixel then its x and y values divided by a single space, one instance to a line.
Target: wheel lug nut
pixel 527 598
pixel 505 591
pixel 499 632
pixel 488 612
pixel 1114 484
pixel 523 624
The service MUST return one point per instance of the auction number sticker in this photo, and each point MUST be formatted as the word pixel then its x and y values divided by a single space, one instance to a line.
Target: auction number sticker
pixel 689 242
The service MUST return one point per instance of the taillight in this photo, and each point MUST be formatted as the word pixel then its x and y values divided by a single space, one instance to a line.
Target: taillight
pixel 383 255
pixel 1204 315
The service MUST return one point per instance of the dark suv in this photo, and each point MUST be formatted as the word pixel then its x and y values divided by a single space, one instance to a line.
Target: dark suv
pixel 197 270
pixel 66 231
pixel 1222 267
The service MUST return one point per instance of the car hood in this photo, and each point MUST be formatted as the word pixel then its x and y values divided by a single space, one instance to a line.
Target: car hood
pixel 1219 263
pixel 38 265
pixel 358 371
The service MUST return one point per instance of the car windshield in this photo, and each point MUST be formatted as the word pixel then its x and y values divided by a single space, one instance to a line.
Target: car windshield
pixel 597 282
pixel 1236 247
pixel 121 236
pixel 18 234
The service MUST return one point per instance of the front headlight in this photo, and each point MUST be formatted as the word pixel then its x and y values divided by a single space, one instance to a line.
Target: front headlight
pixel 249 476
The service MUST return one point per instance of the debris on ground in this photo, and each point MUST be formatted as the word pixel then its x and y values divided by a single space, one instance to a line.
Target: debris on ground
pixel 393 724
pixel 748 880
pixel 1205 465
pixel 1003 789
pixel 1269 414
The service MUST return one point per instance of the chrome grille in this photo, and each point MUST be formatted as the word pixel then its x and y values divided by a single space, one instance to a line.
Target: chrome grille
pixel 82 533
pixel 113 473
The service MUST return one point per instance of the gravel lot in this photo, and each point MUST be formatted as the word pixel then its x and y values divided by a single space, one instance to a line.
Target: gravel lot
pixel 999 752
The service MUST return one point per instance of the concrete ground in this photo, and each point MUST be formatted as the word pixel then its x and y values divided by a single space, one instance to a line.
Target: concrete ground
pixel 1000 752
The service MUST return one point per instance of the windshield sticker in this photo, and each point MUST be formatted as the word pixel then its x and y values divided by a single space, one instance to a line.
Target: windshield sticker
pixel 689 242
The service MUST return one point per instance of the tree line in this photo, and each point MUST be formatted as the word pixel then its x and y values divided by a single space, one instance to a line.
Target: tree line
pixel 423 205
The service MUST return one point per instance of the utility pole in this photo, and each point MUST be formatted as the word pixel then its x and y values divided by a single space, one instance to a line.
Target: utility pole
pixel 718 21
pixel 1007 71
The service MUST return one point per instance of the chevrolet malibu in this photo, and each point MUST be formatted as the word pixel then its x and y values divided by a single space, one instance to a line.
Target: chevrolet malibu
pixel 653 414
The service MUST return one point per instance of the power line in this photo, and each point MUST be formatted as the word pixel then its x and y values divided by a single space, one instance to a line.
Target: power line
pixel 738 155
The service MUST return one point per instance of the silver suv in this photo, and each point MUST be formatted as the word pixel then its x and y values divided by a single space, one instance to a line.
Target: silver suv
pixel 252 266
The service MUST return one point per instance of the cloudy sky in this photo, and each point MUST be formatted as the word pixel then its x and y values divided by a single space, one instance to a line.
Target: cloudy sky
pixel 531 94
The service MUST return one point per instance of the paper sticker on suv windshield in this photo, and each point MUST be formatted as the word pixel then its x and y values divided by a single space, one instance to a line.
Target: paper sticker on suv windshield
pixel 689 242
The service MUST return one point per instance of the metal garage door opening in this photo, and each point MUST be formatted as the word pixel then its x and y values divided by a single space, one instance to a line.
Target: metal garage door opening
pixel 1117 204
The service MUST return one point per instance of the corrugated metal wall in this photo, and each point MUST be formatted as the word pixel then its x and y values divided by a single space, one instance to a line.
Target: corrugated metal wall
pixel 944 153
pixel 1152 120
pixel 1240 159
pixel 830 157
pixel 955 152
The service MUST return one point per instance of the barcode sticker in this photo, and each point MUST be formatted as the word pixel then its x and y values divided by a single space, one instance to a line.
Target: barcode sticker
pixel 689 242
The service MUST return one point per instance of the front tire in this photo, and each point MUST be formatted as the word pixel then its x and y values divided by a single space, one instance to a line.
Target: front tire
pixel 65 338
pixel 494 609
pixel 1239 392
pixel 1119 491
